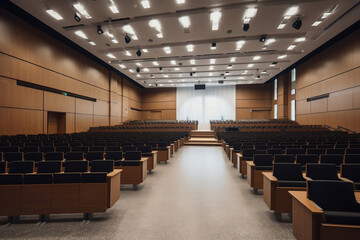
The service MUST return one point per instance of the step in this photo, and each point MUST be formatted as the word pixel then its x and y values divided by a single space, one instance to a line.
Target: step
pixel 202 144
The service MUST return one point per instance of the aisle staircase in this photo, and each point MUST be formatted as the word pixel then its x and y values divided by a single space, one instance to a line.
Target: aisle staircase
pixel 202 138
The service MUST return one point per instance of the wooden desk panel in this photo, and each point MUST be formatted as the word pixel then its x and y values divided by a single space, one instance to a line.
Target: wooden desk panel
pixel 36 199
pixel 10 200
pixel 65 198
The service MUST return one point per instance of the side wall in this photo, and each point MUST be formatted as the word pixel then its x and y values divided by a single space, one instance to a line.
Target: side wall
pixel 254 101
pixel 159 103
pixel 30 55
pixel 335 71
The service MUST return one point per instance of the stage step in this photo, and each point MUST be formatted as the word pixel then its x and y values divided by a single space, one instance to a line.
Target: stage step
pixel 203 141
pixel 204 134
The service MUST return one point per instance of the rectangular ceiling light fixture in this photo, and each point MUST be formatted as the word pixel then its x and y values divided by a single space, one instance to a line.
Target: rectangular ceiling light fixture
pixel 145 3
pixel 215 19
pixel 81 34
pixel 54 14
pixel 81 9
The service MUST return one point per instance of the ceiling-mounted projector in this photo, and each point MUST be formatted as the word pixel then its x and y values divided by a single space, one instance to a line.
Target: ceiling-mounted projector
pixel 199 86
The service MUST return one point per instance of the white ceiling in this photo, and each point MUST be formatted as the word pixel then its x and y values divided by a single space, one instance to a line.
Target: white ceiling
pixel 270 13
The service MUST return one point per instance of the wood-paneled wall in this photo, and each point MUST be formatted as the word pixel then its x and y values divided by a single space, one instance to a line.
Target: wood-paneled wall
pixel 335 71
pixel 159 103
pixel 253 101
pixel 28 54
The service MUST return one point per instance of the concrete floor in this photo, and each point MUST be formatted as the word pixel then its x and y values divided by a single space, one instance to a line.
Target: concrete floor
pixel 197 195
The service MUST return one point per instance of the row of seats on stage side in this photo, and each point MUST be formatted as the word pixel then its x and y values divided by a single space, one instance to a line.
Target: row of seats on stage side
pixel 250 121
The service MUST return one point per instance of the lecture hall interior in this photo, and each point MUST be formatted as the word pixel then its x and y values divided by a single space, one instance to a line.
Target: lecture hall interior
pixel 180 119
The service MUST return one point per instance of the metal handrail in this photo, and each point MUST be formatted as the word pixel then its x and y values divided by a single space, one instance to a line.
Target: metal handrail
pixel 341 127
pixel 330 127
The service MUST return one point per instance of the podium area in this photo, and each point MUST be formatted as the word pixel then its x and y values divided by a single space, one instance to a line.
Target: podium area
pixel 197 195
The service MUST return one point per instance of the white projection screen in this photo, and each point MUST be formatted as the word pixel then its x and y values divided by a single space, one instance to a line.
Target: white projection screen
pixel 213 103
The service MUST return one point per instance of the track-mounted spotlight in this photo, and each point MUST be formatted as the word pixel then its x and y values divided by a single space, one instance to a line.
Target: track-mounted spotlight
pixel 137 70
pixel 246 27
pixel 77 17
pixel 138 52
pixel 262 38
pixel 297 24
pixel 99 30
pixel 160 68
pixel 127 39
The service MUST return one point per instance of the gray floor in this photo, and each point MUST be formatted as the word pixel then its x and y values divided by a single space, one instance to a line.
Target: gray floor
pixel 197 195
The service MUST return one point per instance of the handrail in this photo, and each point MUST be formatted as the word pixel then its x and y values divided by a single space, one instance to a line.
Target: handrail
pixel 330 127
pixel 341 127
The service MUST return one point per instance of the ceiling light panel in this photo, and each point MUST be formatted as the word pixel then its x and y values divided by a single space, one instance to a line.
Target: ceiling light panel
pixel 129 30
pixel 54 14
pixel 190 47
pixel 113 7
pixel 215 19
pixel 81 34
pixel 110 55
pixel 81 10
pixel 167 50
pixel 185 21
pixel 180 1
pixel 239 44
pixel 145 3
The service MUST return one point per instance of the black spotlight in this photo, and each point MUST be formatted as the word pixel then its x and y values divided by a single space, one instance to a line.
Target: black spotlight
pixel 138 52
pixel 137 70
pixel 99 30
pixel 77 17
pixel 246 27
pixel 127 39
pixel 191 74
pixel 262 38
pixel 297 24
pixel 160 68
pixel 213 46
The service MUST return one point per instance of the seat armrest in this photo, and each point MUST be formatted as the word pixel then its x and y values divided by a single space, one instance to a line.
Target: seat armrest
pixel 270 176
pixel 301 196
pixel 250 163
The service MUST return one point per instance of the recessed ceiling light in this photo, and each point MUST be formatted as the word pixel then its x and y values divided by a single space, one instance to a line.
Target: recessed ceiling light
pixel 54 14
pixel 269 41
pixel 155 63
pixel 81 34
pixel 250 65
pixel 173 62
pixel 81 9
pixel 160 85
pixel 130 70
pixel 92 43
pixel 325 15
pixel 114 40
pixel 281 26
pixel 215 19
pixel 256 58
pixel 282 56
pixel 250 13
pixel 160 35
pixel 316 23
pixel 145 3
pixel 291 47
pixel 232 59
pixel 213 46
pixel 127 53
pixel 185 21
pixel 301 39
pixel 154 23
pixel 166 76
pixel 194 68
pixel 122 66
pixel 241 78
pixel 109 34
pixel 167 50
pixel 146 70
pixel 229 66
pixel 192 61
pixel 292 11
pixel 245 72
pixel 211 68
pixel 138 75
pixel 210 74
pixel 144 50
pixel 138 64
pixel 169 80
pixel 180 1
pixel 177 69
pixel 227 73
pixel 239 44
pixel 129 30
pixel 113 7
pixel 212 61
pixel 190 47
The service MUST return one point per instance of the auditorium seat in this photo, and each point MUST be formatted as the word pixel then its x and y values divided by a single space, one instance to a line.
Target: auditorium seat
pixel 131 158
pixel 134 168
pixel 352 158
pixel 284 158
pixel 90 156
pixel 30 149
pixel 304 159
pixel 322 171
pixel 64 149
pixel 336 159
pixel 116 156
pixel 275 151
pixel 47 149
pixel 13 156
pixel 102 166
pixel 74 156
pixel 93 177
pixel 77 166
pixel 353 151
pixel 97 149
pixel 3 167
pixel 317 151
pixel 146 151
pixel 39 178
pixel 10 179
pixel 328 210
pixel 54 156
pixel 49 167
pixel 351 172
pixel 262 163
pixel 285 177
pixel 295 151
pixel 113 149
pixel 83 149
pixel 21 167
pixel 128 148
pixel 247 155
pixel 71 177
pixel 33 156
pixel 335 151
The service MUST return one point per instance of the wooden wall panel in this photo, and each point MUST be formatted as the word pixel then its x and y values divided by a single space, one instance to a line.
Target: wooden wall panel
pixel 70 122
pixel 162 99
pixel 302 107
pixel 169 114
pixel 83 122
pixel 335 71
pixel 158 105
pixel 58 103
pixel 85 107
pixel 244 103
pixel 101 120
pixel 19 121
pixel 101 108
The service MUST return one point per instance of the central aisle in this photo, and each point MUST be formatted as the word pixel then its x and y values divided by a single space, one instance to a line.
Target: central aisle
pixel 197 195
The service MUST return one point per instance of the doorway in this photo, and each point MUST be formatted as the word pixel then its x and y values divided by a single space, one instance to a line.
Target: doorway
pixel 56 123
